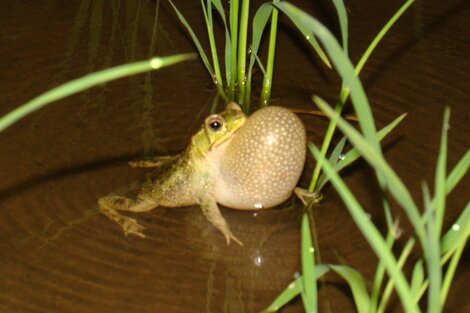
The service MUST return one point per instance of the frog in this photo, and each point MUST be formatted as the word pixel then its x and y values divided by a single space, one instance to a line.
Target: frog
pixel 240 162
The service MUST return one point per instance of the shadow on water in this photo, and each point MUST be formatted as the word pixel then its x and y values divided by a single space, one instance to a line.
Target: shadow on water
pixel 58 254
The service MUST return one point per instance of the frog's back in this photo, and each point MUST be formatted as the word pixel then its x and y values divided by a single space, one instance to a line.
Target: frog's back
pixel 262 164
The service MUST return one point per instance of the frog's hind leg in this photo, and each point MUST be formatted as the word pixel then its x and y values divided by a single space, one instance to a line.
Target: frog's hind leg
pixel 110 205
pixel 212 213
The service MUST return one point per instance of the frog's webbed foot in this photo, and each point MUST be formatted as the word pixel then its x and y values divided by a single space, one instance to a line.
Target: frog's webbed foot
pixel 154 162
pixel 307 197
pixel 212 213
pixel 110 205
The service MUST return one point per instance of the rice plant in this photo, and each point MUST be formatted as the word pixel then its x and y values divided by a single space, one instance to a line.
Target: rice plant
pixel 239 56
pixel 432 274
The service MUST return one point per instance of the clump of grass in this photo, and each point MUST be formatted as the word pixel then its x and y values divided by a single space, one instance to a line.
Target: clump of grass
pixel 239 56
pixel 442 249
pixel 88 81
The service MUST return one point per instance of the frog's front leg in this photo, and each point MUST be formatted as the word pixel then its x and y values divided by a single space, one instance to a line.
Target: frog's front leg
pixel 110 205
pixel 308 197
pixel 212 213
pixel 154 162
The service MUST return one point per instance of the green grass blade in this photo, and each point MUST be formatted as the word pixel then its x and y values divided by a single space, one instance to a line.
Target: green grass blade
pixel 293 290
pixel 234 6
pixel 219 83
pixel 379 276
pixel 259 23
pixel 417 279
pixel 343 66
pixel 451 271
pixel 343 23
pixel 432 255
pixel 370 232
pixel 387 292
pixel 88 81
pixel 381 34
pixel 357 284
pixel 458 233
pixel 344 94
pixel 268 77
pixel 376 160
pixel 260 64
pixel 335 157
pixel 458 172
pixel 228 44
pixel 196 41
pixel 307 33
pixel 308 267
pixel 440 180
pixel 242 51
pixel 353 154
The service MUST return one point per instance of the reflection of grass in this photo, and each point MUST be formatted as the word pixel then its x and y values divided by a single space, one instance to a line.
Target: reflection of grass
pixel 89 81
pixel 433 272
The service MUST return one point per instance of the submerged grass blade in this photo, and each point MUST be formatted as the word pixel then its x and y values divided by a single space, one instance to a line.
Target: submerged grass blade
pixel 88 81
pixel 370 232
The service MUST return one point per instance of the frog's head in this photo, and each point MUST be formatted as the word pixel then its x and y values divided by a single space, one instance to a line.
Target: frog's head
pixel 218 128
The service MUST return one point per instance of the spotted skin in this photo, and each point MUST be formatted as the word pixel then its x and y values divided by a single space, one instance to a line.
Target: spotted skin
pixel 262 164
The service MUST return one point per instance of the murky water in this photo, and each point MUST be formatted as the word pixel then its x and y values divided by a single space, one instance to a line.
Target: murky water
pixel 58 254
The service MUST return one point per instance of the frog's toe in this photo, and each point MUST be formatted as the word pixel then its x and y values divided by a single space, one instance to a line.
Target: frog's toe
pixel 308 197
pixel 131 226
pixel 229 236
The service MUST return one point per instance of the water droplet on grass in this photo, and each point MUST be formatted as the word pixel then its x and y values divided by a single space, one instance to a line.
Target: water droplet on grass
pixel 456 227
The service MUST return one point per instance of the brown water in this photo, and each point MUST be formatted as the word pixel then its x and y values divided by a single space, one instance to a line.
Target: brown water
pixel 58 254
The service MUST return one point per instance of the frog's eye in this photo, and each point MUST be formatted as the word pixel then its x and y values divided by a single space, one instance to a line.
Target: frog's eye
pixel 215 122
